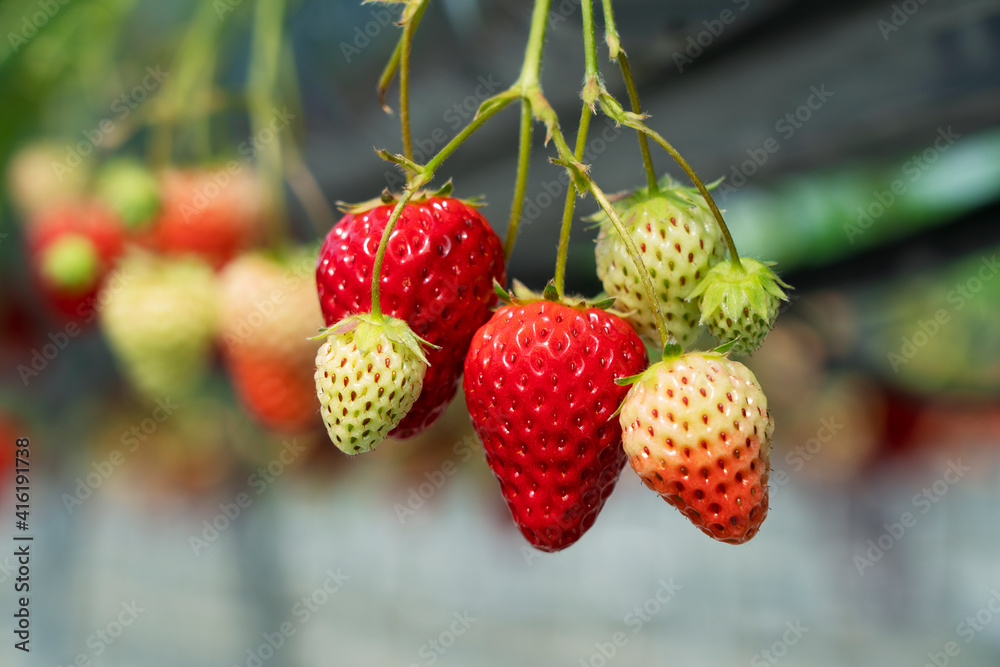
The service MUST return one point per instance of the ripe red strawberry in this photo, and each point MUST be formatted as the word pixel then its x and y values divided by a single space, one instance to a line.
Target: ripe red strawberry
pixel 437 275
pixel 72 246
pixel 697 431
pixel 540 388
pixel 268 313
pixel 211 213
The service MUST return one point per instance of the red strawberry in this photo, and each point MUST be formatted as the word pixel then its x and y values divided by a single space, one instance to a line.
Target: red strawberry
pixel 211 213
pixel 72 246
pixel 269 310
pixel 437 275
pixel 540 387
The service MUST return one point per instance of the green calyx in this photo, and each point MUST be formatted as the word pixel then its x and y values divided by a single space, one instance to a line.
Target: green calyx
pixel 368 329
pixel 660 205
pixel 71 263
pixel 523 295
pixel 672 352
pixel 729 290
pixel 388 198
pixel 131 191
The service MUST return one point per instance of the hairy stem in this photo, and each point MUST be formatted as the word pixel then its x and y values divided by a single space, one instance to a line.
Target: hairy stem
pixel 532 64
pixel 521 182
pixel 405 47
pixel 633 252
pixel 633 96
pixel 733 255
pixel 570 206
pixel 484 115
pixel 269 20
pixel 380 253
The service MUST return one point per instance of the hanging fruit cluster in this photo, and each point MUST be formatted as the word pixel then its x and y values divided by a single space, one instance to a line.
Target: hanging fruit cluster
pixel 187 253
pixel 558 388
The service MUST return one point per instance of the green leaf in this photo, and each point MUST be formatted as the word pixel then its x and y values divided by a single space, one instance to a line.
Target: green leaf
pixel 630 380
pixel 604 304
pixel 550 293
pixel 725 347
pixel 501 292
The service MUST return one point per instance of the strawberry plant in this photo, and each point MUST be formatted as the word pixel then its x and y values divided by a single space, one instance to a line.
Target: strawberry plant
pixel 546 374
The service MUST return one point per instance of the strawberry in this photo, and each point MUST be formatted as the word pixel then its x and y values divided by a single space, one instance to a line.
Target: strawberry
pixel 268 312
pixel 210 213
pixel 131 191
pixel 38 177
pixel 697 431
pixel 740 303
pixel 540 388
pixel 73 245
pixel 160 321
pixel 679 242
pixel 369 373
pixel 437 275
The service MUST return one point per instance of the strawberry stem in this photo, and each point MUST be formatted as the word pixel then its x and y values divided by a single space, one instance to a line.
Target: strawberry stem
pixel 265 60
pixel 405 44
pixel 570 205
pixel 180 94
pixel 388 74
pixel 633 252
pixel 527 80
pixel 521 182
pixel 616 53
pixel 592 83
pixel 734 256
pixel 380 253
pixel 633 96
pixel 532 64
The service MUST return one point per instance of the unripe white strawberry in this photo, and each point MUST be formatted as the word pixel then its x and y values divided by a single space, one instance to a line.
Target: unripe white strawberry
pixel 740 303
pixel 697 430
pixel 369 372
pixel 679 242
pixel 159 316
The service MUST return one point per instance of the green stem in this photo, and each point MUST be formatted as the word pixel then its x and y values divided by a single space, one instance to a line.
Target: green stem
pixel 406 43
pixel 521 182
pixel 269 19
pixel 578 172
pixel 532 64
pixel 404 94
pixel 187 69
pixel 570 206
pixel 589 42
pixel 733 255
pixel 380 253
pixel 590 89
pixel 633 96
pixel 428 170
pixel 388 74
pixel 610 30
pixel 527 81
pixel 633 252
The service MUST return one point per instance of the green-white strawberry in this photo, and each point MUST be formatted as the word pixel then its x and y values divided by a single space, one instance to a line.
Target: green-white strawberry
pixel 696 429
pixel 130 190
pixel 679 242
pixel 740 303
pixel 159 316
pixel 369 372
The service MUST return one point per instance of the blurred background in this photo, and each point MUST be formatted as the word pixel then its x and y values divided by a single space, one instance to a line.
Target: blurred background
pixel 860 143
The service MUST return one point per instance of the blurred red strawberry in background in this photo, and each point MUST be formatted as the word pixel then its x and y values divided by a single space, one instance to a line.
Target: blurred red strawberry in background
pixel 269 311
pixel 213 213
pixel 72 246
